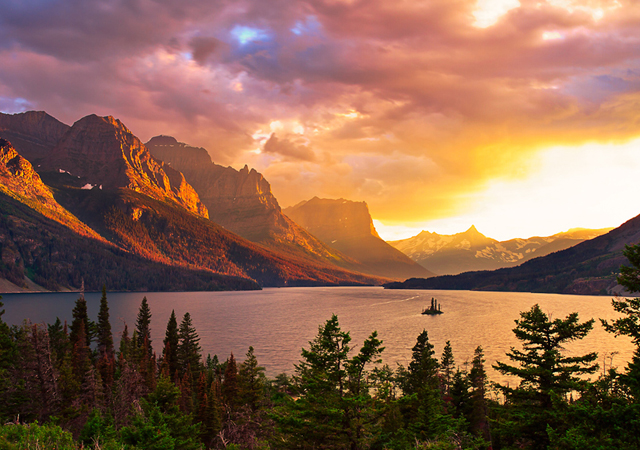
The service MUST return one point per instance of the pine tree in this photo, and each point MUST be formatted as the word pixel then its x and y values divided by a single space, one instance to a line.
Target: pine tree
pixel 143 327
pixel 425 413
pixel 59 342
pixel 209 415
pixel 230 384
pixel 335 408
pixel 423 368
pixel 629 323
pixel 8 354
pixel 171 342
pixel 478 421
pixel 106 351
pixel 461 395
pixel 544 372
pixel 251 381
pixel 447 365
pixel 124 352
pixel 189 352
pixel 105 338
pixel 80 317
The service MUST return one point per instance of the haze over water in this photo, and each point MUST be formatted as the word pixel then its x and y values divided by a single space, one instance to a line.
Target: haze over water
pixel 279 322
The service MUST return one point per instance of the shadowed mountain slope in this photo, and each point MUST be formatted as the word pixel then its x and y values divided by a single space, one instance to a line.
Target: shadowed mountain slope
pixel 587 268
pixel 33 133
pixel 38 249
pixel 347 226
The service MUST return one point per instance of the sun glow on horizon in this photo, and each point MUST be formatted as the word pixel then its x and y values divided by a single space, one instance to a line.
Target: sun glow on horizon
pixel 589 186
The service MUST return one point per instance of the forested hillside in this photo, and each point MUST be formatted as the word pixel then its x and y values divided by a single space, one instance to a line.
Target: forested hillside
pixel 68 387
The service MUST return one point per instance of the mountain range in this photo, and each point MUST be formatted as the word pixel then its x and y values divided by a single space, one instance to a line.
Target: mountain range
pixel 116 205
pixel 90 202
pixel 472 251
pixel 589 268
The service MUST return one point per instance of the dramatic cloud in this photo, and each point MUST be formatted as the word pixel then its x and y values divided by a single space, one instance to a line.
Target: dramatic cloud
pixel 413 106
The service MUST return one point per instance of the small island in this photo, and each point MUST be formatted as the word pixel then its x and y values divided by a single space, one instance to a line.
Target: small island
pixel 433 309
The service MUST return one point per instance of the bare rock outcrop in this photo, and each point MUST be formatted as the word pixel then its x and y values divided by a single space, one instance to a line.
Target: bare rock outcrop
pixel 20 181
pixel 18 177
pixel 103 151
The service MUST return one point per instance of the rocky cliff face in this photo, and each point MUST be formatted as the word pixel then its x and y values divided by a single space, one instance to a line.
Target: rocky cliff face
pixel 105 154
pixel 20 181
pixel 347 226
pixel 242 202
pixel 334 220
pixel 471 250
pixel 33 133
pixel 17 176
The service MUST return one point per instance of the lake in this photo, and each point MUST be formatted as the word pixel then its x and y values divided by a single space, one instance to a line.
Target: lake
pixel 279 322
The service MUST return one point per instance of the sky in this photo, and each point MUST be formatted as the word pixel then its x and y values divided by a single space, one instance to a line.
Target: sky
pixel 519 117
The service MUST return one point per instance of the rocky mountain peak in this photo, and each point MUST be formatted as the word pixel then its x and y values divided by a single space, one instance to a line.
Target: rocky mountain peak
pixel 180 155
pixel 33 133
pixel 333 219
pixel 105 152
pixel 347 226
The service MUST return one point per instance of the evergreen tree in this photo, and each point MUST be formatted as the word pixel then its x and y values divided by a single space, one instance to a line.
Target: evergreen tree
pixel 629 323
pixel 81 358
pixel 424 410
pixel 160 424
pixel 209 410
pixel 143 327
pixel 189 352
pixel 251 381
pixel 478 421
pixel 59 342
pixel 447 365
pixel 105 338
pixel 125 350
pixel 544 371
pixel 171 342
pixel 423 369
pixel 80 318
pixel 230 384
pixel 461 395
pixel 335 408
pixel 106 351
pixel 8 355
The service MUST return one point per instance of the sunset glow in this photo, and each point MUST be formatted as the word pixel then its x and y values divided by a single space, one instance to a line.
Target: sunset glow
pixel 519 117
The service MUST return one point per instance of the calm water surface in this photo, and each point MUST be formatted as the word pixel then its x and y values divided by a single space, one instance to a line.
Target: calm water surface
pixel 278 323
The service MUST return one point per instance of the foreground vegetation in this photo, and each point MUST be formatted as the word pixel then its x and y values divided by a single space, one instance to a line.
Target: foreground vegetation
pixel 67 387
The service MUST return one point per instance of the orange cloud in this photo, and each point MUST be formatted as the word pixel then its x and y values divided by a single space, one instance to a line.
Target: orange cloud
pixel 411 106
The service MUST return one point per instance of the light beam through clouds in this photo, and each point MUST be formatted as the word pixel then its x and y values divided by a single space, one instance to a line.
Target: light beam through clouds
pixel 434 112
